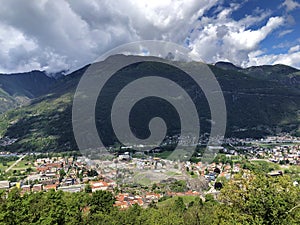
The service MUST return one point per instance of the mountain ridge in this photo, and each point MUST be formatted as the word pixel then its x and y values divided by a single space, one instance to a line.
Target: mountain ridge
pixel 255 107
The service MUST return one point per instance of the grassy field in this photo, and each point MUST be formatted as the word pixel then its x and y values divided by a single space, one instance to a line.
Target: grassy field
pixel 263 165
pixel 272 145
pixel 23 165
pixel 2 168
pixel 172 173
pixel 149 177
pixel 142 179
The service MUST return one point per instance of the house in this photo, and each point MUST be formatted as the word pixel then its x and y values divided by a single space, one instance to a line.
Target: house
pixel 25 188
pixel 137 200
pixel 124 157
pixel 42 169
pixel 99 185
pixel 4 184
pixel 275 173
pixel 125 200
pixel 112 184
pixel 121 205
pixel 50 186
pixel 37 187
pixel 49 181
pixel 55 165
pixel 69 181
pixel 71 188
pixel 153 196
pixel 212 176
pixel 121 197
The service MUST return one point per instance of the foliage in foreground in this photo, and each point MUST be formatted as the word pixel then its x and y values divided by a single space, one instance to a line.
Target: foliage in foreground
pixel 245 200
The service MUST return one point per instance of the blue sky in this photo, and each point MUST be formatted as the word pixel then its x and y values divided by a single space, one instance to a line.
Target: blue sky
pixel 59 35
pixel 286 36
pixel 277 44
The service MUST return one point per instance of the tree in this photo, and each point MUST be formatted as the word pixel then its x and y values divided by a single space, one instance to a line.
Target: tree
pixel 88 188
pixel 75 204
pixel 218 185
pixel 92 173
pixel 54 211
pixel 209 198
pixel 154 186
pixel 179 204
pixel 152 205
pixel 101 201
pixel 62 173
pixel 29 170
pixel 260 199
pixel 217 170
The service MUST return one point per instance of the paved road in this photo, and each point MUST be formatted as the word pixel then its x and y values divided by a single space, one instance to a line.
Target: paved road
pixel 15 163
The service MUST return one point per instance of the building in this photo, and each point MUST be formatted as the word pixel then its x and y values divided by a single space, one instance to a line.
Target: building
pixel 25 188
pixel 50 186
pixel 99 186
pixel 4 184
pixel 37 187
pixel 71 188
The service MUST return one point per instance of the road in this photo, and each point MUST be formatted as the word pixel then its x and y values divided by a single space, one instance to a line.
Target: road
pixel 15 163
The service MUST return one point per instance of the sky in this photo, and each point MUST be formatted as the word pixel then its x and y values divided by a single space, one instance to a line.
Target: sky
pixel 56 35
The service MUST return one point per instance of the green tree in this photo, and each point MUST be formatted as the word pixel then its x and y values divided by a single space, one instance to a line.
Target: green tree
pixel 88 188
pixel 209 198
pixel 260 199
pixel 53 211
pixel 179 204
pixel 101 201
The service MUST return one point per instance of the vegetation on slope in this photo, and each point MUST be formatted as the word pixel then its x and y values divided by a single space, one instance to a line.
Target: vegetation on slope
pixel 255 107
pixel 252 199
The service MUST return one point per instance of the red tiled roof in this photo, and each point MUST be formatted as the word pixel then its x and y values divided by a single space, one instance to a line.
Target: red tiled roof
pixel 50 186
pixel 96 184
pixel 121 197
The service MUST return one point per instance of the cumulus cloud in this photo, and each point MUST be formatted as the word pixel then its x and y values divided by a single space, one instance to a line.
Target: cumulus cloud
pixel 222 38
pixel 290 58
pixel 290 5
pixel 74 33
pixel 67 34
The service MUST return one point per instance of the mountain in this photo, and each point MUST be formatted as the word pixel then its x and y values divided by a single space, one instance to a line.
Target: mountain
pixel 257 104
pixel 17 89
pixel 286 75
pixel 227 66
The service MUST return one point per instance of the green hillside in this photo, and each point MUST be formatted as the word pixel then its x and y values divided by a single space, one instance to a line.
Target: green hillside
pixel 255 107
pixel 19 88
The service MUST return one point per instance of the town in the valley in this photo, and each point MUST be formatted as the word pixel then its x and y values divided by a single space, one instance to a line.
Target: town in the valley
pixel 146 178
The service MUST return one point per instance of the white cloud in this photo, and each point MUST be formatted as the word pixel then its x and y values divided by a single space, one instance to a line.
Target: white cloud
pixel 295 48
pixel 74 33
pixel 291 58
pixel 15 49
pixel 249 39
pixel 231 40
pixel 285 32
pixel 290 5
pixel 55 35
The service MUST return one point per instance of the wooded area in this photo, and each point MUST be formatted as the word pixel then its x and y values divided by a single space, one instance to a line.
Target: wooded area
pixel 252 199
